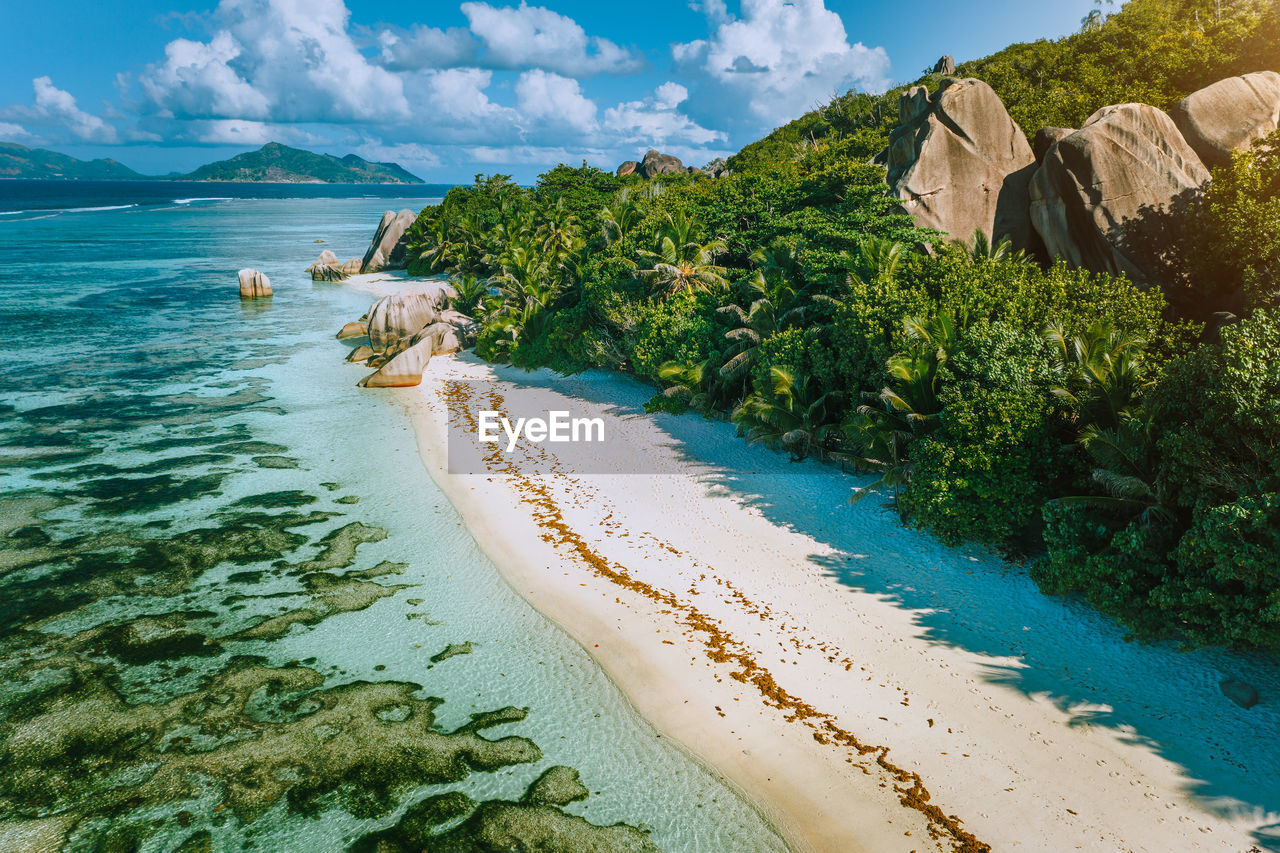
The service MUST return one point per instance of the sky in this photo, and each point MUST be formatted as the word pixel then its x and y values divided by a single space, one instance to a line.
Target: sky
pixel 449 89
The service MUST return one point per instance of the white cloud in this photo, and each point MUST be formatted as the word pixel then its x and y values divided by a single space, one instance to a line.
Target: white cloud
pixel 249 133
pixel 58 106
pixel 10 132
pixel 289 60
pixel 525 36
pixel 777 59
pixel 409 154
pixel 655 121
pixel 196 80
pixel 460 94
pixel 535 155
pixel 427 47
pixel 549 99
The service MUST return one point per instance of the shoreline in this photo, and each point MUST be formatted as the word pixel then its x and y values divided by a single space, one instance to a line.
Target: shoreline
pixel 1022 768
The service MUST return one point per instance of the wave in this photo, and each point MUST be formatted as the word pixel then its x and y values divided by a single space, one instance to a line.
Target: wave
pixel 54 211
pixel 94 209
pixel 210 198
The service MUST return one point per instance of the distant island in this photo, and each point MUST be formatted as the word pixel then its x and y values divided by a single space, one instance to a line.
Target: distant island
pixel 18 161
pixel 272 163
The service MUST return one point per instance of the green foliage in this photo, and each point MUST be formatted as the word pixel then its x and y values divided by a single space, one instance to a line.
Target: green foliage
pixel 582 190
pixel 679 330
pixel 1185 541
pixel 1220 250
pixel 798 415
pixel 988 467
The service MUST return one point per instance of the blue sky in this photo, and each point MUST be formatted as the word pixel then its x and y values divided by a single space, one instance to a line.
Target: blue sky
pixel 449 89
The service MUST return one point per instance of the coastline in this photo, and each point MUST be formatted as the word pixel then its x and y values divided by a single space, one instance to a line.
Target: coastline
pixel 1023 769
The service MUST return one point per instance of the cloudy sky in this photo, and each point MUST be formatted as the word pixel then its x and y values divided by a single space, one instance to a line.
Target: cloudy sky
pixel 450 89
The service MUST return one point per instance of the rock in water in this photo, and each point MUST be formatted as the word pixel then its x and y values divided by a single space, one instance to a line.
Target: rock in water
pixel 1229 115
pixel 353 330
pixel 352 267
pixel 254 285
pixel 326 257
pixel 388 250
pixel 1099 187
pixel 361 353
pixel 655 163
pixel 326 268
pixel 945 65
pixel 626 168
pixel 395 319
pixel 1239 692
pixel 959 163
pixel 328 272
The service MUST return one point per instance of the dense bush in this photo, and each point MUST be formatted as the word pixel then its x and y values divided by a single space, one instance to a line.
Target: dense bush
pixel 1203 562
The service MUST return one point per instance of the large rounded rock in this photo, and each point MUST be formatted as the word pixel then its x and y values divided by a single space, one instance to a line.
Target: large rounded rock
pixel 326 257
pixel 959 163
pixel 254 285
pixel 354 329
pixel 1109 184
pixel 1046 138
pixel 361 353
pixel 326 268
pixel 388 250
pixel 395 319
pixel 404 369
pixel 626 168
pixel 352 267
pixel 655 163
pixel 1229 115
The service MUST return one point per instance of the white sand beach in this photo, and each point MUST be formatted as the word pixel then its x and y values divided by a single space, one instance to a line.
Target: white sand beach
pixel 868 688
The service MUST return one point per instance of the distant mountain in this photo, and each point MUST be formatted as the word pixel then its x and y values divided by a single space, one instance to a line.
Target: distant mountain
pixel 18 161
pixel 276 163
pixel 272 163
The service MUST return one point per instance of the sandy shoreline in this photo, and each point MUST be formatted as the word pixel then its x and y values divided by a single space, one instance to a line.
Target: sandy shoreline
pixel 833 667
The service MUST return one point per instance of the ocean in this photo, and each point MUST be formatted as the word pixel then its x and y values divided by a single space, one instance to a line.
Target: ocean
pixel 235 612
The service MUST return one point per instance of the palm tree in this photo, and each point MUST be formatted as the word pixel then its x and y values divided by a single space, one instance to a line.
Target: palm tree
pixel 982 250
pixel 800 418
pixel 1126 461
pixel 881 431
pixel 687 383
pixel 874 259
pixel 1104 372
pixel 617 220
pixel 680 262
pixel 775 304
pixel 470 291
pixel 559 232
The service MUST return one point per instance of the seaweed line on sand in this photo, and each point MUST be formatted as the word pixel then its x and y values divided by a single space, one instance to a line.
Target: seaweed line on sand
pixel 721 647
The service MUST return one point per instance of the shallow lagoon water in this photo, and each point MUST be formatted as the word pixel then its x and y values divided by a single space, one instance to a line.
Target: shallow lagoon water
pixel 209 531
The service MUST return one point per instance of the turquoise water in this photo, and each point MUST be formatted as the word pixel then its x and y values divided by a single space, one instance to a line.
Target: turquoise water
pixel 224 576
